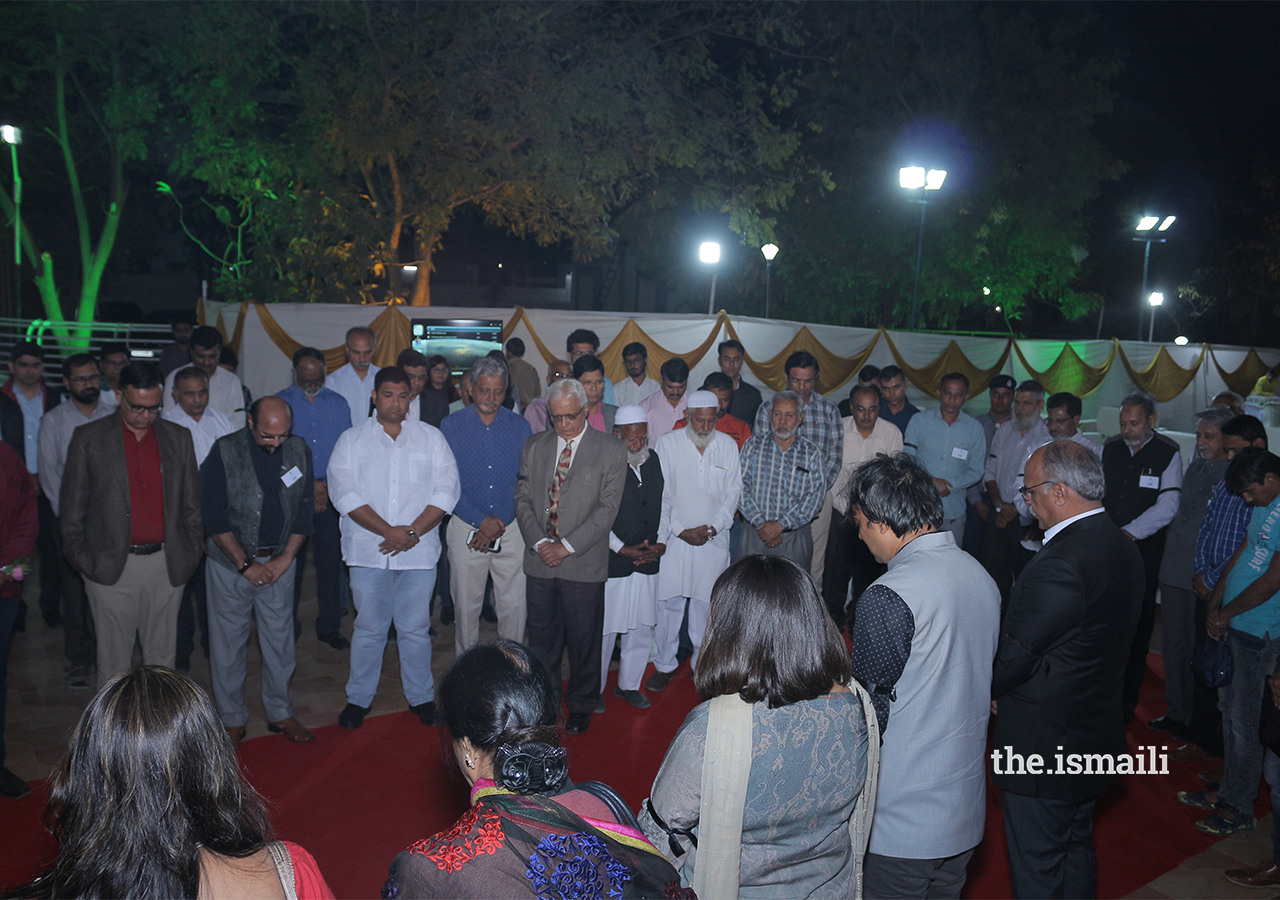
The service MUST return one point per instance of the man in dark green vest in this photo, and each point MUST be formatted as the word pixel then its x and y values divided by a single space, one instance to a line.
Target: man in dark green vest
pixel 257 498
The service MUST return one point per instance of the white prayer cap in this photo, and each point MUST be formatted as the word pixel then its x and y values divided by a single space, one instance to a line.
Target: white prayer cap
pixel 630 415
pixel 702 400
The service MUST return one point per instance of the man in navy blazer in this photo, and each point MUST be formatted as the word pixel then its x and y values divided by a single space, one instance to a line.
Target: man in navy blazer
pixel 1059 673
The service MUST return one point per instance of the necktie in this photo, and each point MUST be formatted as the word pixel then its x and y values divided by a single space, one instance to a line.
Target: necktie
pixel 562 472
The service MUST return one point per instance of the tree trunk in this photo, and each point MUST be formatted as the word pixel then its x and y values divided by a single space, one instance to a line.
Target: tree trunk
pixel 422 282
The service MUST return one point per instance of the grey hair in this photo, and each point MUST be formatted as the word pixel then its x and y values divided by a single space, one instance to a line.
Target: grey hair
pixel 551 366
pixel 1143 399
pixel 1232 394
pixel 895 491
pixel 567 387
pixel 1076 466
pixel 1031 386
pixel 789 395
pixel 361 329
pixel 488 365
pixel 1216 416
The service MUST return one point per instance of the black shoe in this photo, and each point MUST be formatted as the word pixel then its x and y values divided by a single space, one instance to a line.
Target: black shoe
pixel 578 723
pixel 12 786
pixel 335 640
pixel 352 716
pixel 53 621
pixel 1164 723
pixel 426 712
pixel 80 677
pixel 489 614
pixel 446 615
pixel 600 707
pixel 181 664
pixel 635 698
pixel 659 680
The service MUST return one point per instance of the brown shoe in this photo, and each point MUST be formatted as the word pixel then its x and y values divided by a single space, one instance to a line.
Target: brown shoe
pixel 1212 776
pixel 293 730
pixel 1188 752
pixel 236 733
pixel 1261 876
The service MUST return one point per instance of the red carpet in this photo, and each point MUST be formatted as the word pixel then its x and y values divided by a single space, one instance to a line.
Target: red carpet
pixel 356 798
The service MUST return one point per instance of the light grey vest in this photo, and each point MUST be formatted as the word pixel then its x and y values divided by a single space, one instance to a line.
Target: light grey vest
pixel 244 493
pixel 932 800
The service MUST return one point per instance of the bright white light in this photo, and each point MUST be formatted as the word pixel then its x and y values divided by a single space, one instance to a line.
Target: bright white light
pixel 1168 220
pixel 709 252
pixel 1156 298
pixel 499 265
pixel 911 177
pixel 1148 222
pixel 1181 340
pixel 934 179
pixel 10 135
pixel 410 270
pixel 986 292
pixel 769 251
pixel 999 309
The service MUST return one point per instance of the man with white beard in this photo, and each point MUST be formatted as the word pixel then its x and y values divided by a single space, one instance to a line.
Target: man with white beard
pixel 702 482
pixel 631 593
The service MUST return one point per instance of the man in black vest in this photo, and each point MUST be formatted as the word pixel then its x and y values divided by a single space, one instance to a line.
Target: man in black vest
pixel 631 593
pixel 257 500
pixel 1144 486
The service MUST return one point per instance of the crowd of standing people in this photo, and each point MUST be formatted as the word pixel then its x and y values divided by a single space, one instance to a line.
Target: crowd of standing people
pixel 1001 565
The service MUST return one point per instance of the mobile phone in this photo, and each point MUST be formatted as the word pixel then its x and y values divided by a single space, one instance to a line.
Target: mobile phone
pixel 493 548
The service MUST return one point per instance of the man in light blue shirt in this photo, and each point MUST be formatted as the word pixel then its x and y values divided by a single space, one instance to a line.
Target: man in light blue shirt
pixel 952 447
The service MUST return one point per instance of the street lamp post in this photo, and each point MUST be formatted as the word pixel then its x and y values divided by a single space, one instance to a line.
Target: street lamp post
pixel 709 253
pixel 13 137
pixel 914 178
pixel 1155 300
pixel 769 251
pixel 1149 232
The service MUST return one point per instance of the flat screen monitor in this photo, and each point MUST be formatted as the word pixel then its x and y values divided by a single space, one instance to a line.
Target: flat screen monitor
pixel 460 341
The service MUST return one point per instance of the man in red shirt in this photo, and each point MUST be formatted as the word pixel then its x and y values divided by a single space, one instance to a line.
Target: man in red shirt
pixel 18 527
pixel 130 518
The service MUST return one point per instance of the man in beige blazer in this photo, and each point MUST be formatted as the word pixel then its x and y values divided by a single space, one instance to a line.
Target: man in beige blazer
pixel 130 519
pixel 567 496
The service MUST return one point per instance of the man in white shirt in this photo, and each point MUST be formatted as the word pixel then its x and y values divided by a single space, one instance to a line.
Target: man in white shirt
pixel 637 386
pixel 865 434
pixel 81 377
pixel 666 407
pixel 393 480
pixel 225 392
pixel 701 484
pixel 1063 418
pixel 1003 556
pixel 354 381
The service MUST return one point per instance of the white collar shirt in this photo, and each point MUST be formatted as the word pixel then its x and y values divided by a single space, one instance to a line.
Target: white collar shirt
pixel 1052 532
pixel 212 425
pixel 225 394
pixel 856 449
pixel 397 479
pixel 628 393
pixel 356 391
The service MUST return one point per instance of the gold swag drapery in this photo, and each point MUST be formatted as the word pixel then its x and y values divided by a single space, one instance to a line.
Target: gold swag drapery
pixel 1163 378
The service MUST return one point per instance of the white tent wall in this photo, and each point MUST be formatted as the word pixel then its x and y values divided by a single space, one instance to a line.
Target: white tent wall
pixel 265 369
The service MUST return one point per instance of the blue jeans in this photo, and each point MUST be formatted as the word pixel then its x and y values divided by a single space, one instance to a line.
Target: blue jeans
pixel 384 596
pixel 1241 705
pixel 1271 769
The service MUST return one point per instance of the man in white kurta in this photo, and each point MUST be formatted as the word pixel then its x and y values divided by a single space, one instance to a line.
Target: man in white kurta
pixel 631 593
pixel 225 393
pixel 193 412
pixel 354 381
pixel 702 482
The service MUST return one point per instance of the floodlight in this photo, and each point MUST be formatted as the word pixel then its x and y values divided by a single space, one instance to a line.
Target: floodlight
pixel 1156 298
pixel 986 292
pixel 769 251
pixel 10 134
pixel 709 252
pixel 934 179
pixel 1168 220
pixel 911 177
pixel 1181 340
pixel 1148 222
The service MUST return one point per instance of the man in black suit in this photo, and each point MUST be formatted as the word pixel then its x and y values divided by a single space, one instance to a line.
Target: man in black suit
pixel 1059 672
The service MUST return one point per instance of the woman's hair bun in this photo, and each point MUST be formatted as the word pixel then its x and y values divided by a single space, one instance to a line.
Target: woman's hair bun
pixel 530 767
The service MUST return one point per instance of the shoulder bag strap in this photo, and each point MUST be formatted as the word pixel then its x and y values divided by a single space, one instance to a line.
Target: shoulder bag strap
pixel 622 813
pixel 865 806
pixel 726 768
pixel 284 867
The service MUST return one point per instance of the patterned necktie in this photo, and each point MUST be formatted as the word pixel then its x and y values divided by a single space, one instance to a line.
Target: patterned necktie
pixel 562 472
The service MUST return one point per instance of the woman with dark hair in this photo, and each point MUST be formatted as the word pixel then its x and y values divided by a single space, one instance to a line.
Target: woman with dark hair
pixel 148 801
pixel 786 746
pixel 529 831
pixel 440 377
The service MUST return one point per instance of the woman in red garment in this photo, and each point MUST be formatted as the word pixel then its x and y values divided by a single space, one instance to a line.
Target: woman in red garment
pixel 148 802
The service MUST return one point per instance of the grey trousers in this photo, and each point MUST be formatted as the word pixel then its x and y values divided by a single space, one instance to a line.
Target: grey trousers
pixel 891 877
pixel 1177 637
pixel 233 602
pixel 142 605
pixel 796 546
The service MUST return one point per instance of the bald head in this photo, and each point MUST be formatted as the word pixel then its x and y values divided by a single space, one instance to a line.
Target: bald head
pixel 270 421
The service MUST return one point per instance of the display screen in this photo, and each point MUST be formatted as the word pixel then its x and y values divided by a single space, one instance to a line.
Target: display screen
pixel 460 341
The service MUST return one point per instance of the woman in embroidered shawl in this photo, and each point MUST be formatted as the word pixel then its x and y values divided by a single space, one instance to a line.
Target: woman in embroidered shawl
pixel 770 640
pixel 529 832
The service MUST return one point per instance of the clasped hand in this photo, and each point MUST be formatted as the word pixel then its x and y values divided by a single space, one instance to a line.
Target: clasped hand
pixel 397 539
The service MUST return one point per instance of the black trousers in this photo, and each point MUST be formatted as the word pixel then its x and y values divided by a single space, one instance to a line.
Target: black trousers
pixel 193 607
pixel 79 642
pixel 1051 852
pixel 50 563
pixel 568 616
pixel 1205 727
pixel 848 560
pixel 1151 549
pixel 1002 554
pixel 327 543
pixel 8 615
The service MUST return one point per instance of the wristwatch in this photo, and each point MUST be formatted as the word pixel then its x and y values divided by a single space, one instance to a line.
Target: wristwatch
pixel 248 563
pixel 712 529
pixel 411 533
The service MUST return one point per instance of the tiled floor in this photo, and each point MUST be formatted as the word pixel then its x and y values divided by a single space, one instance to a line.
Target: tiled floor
pixel 42 711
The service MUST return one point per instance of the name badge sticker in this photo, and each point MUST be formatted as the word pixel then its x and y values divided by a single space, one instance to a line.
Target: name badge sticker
pixel 291 476
pixel 1149 481
pixel 959 453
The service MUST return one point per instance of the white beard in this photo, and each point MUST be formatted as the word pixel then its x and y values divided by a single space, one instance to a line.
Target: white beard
pixel 1024 424
pixel 702 443
pixel 638 459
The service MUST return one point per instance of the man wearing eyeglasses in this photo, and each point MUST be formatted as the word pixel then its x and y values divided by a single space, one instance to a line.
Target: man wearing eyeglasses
pixel 567 496
pixel 130 521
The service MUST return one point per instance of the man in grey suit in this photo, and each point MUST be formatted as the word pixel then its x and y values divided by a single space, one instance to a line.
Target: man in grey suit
pixel 130 505
pixel 567 496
